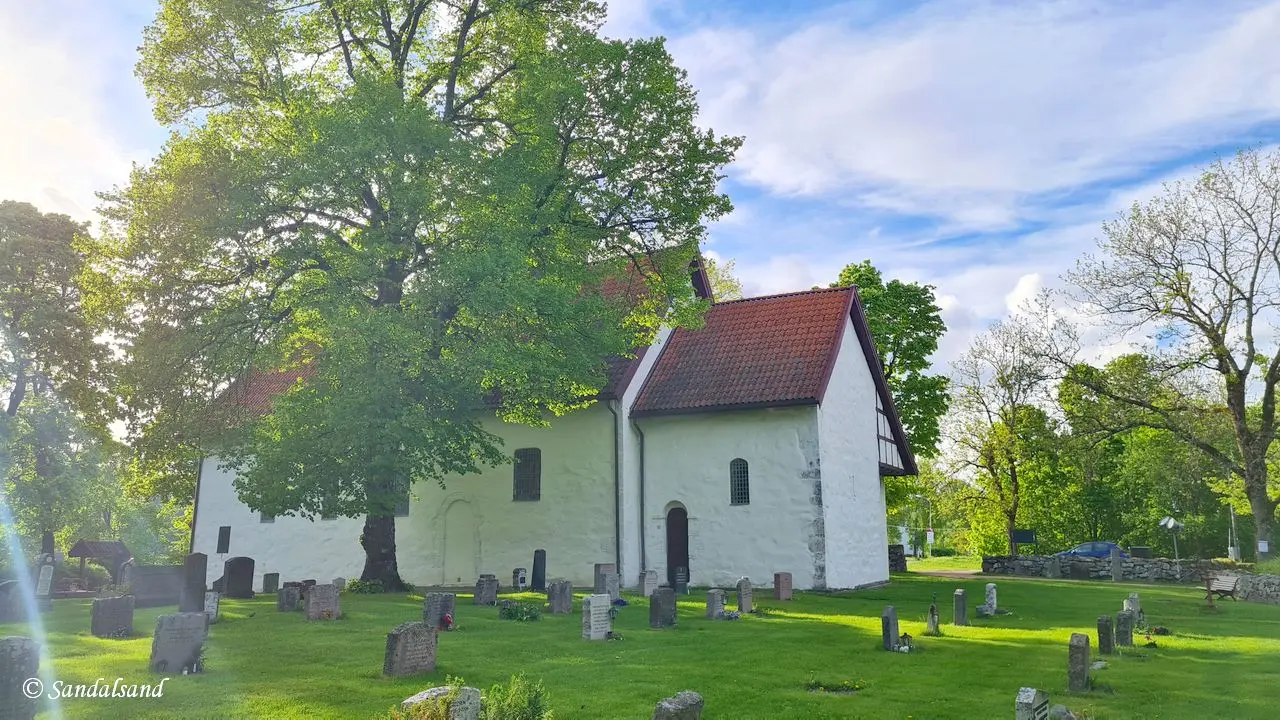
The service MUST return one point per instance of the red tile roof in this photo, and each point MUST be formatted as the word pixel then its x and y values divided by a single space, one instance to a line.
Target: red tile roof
pixel 252 396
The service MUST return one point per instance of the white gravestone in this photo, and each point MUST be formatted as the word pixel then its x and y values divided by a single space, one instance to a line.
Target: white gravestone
pixel 211 600
pixel 649 582
pixel 991 598
pixel 596 623
pixel 1032 704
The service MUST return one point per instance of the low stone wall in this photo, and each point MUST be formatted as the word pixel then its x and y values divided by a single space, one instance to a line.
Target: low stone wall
pixel 156 585
pixel 1138 569
pixel 1260 588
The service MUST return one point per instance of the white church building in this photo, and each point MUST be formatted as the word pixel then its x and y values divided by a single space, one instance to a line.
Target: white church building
pixel 753 445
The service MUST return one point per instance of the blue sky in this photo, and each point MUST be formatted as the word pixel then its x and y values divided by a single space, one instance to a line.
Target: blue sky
pixel 976 146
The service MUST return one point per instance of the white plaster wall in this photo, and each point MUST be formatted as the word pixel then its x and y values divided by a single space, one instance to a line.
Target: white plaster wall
pixel 687 461
pixel 852 494
pixel 573 521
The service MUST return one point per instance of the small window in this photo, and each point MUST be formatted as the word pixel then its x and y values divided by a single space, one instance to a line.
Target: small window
pixel 266 518
pixel 739 483
pixel 527 484
pixel 224 539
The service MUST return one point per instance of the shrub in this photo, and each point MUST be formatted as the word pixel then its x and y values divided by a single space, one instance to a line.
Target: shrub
pixel 520 611
pixel 1268 567
pixel 110 591
pixel 517 700
pixel 942 552
pixel 365 587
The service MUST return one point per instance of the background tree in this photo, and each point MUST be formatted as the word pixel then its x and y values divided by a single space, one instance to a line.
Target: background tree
pixel 411 206
pixel 906 324
pixel 1199 263
pixel 724 285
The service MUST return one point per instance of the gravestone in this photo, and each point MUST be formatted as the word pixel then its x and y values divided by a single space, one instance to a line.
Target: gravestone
pixel 961 616
pixel 1117 564
pixel 44 584
pixel 715 603
pixel 487 590
pixel 219 585
pixel 306 588
pixel 1134 605
pixel 340 583
pixel 662 608
pixel 991 598
pixel 111 617
pixel 270 582
pixel 744 595
pixel 1124 629
pixel 19 660
pixel 1053 568
pixel 782 586
pixel 612 586
pixel 649 582
pixel 932 627
pixel 465 706
pixel 596 623
pixel 195 571
pixel 125 575
pixel 682 580
pixel 323 603
pixel 411 649
pixel 539 583
pixel 560 595
pixel 237 573
pixel 889 628
pixel 600 570
pixel 1078 663
pixel 897 559
pixel 1106 635
pixel 211 602
pixel 519 579
pixel 178 643
pixel 435 606
pixel 288 597
pixel 1032 705
pixel 683 706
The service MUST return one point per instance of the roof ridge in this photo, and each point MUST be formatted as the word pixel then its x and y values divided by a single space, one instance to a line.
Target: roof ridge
pixel 814 291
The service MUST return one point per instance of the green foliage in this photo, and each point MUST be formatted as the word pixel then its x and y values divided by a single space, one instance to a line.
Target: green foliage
pixel 519 699
pixel 1268 567
pixel 365 587
pixel 520 611
pixel 813 684
pixel 724 285
pixel 936 551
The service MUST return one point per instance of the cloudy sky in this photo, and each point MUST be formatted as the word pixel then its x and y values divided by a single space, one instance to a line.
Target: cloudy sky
pixel 976 146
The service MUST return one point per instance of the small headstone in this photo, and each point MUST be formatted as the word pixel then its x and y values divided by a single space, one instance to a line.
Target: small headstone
pixel 682 581
pixel 411 649
pixel 932 626
pixel 1106 635
pixel 111 617
pixel 340 583
pixel 961 616
pixel 195 571
pixel 600 570
pixel 520 578
pixel 1032 705
pixel 596 623
pixel 744 595
pixel 889 628
pixel 323 603
pixel 684 706
pixel 44 585
pixel 487 590
pixel 539 583
pixel 560 595
pixel 1117 565
pixel 1060 712
pixel 466 706
pixel 662 608
pixel 270 582
pixel 1134 605
pixel 306 588
pixel 1079 571
pixel 211 601
pixel 237 573
pixel 1124 629
pixel 124 576
pixel 782 586
pixel 715 603
pixel 178 643
pixel 991 598
pixel 612 585
pixel 435 606
pixel 649 582
pixel 1078 663
pixel 288 597
pixel 19 661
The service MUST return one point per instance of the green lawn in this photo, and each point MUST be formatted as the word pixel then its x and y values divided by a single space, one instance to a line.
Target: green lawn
pixel 265 664
pixel 958 562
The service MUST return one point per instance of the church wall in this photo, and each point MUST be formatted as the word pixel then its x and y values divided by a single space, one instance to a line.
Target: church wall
pixel 488 532
pixel 852 493
pixel 687 462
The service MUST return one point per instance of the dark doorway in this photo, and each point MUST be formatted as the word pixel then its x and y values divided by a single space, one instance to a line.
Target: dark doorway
pixel 677 542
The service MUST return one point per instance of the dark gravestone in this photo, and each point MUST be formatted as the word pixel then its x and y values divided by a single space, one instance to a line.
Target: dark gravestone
pixel 178 643
pixel 1078 663
pixel 435 606
pixel 782 586
pixel 411 649
pixel 897 559
pixel 560 595
pixel 19 661
pixel 46 543
pixel 112 617
pixel 684 706
pixel 289 597
pixel 662 608
pixel 486 590
pixel 1106 635
pixel 270 582
pixel 961 609
pixel 1140 552
pixel 539 571
pixel 682 581
pixel 1080 571
pixel 238 572
pixel 889 634
pixel 195 571
pixel 219 585
pixel 1124 628
pixel 600 570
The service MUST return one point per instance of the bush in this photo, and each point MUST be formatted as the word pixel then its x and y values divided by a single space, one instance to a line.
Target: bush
pixel 942 552
pixel 519 699
pixel 1268 567
pixel 365 587
pixel 520 611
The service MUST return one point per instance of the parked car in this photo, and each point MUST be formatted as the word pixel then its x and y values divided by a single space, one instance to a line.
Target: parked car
pixel 1093 550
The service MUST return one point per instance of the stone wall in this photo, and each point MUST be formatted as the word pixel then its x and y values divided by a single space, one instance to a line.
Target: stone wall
pixel 1139 569
pixel 156 585
pixel 1260 588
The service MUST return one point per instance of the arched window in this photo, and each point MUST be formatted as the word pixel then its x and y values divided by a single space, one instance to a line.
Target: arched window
pixel 739 483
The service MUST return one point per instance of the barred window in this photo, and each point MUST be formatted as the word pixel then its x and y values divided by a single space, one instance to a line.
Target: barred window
pixel 739 483
pixel 527 484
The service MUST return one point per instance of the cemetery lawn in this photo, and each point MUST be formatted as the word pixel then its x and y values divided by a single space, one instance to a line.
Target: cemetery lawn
pixel 953 563
pixel 261 663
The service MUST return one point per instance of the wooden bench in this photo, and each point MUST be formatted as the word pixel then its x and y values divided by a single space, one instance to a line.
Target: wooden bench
pixel 1221 586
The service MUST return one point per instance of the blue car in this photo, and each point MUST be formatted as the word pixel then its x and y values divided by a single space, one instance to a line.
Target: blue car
pixel 1093 550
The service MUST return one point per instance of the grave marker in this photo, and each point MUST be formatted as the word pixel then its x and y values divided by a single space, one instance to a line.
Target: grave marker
pixel 715 603
pixel 237 574
pixel 683 706
pixel 600 570
pixel 211 601
pixel 1124 629
pixel 889 634
pixel 744 595
pixel 539 571
pixel 195 572
pixel 411 649
pixel 682 581
pixel 932 627
pixel 991 598
pixel 487 590
pixel 782 586
pixel 19 660
pixel 44 585
pixel 596 623
pixel 649 582
pixel 466 706
pixel 340 583
pixel 662 608
pixel 1078 663
pixel 435 606
pixel 1053 569
pixel 270 582
pixel 178 643
pixel 111 617
pixel 520 578
pixel 323 603
pixel 288 598
pixel 612 586
pixel 1134 605
pixel 560 594
pixel 1106 635
pixel 1117 564
pixel 1032 705
pixel 961 612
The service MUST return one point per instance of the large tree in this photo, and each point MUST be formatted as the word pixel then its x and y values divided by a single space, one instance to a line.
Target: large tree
pixel 906 324
pixel 1201 264
pixel 725 285
pixel 412 206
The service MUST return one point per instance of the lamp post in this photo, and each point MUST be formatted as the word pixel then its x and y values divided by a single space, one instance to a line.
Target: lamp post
pixel 1168 523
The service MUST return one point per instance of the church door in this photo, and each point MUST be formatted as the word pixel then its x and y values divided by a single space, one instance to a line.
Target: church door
pixel 677 542
pixel 461 546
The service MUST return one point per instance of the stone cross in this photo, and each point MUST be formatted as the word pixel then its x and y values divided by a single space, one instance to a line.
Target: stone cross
pixel 195 571
pixel 270 582
pixel 411 649
pixel 662 608
pixel 1124 629
pixel 961 611
pixel 1117 565
pixel 1106 635
pixel 744 595
pixel 560 595
pixel 991 598
pixel 211 601
pixel 612 585
pixel 323 603
pixel 178 643
pixel 596 623
pixel 889 628
pixel 288 597
pixel 238 576
pixel 932 628
pixel 1078 663
pixel 683 706
pixel 649 582
pixel 539 580
pixel 112 617
pixel 782 586
pixel 19 660
pixel 435 606
pixel 600 570
pixel 1032 705
pixel 715 603
pixel 487 590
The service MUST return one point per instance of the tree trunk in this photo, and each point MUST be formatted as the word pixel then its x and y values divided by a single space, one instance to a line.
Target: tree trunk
pixel 1263 508
pixel 1012 525
pixel 379 543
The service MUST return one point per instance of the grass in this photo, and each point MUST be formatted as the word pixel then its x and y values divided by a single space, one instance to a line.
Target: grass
pixel 261 663
pixel 957 562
